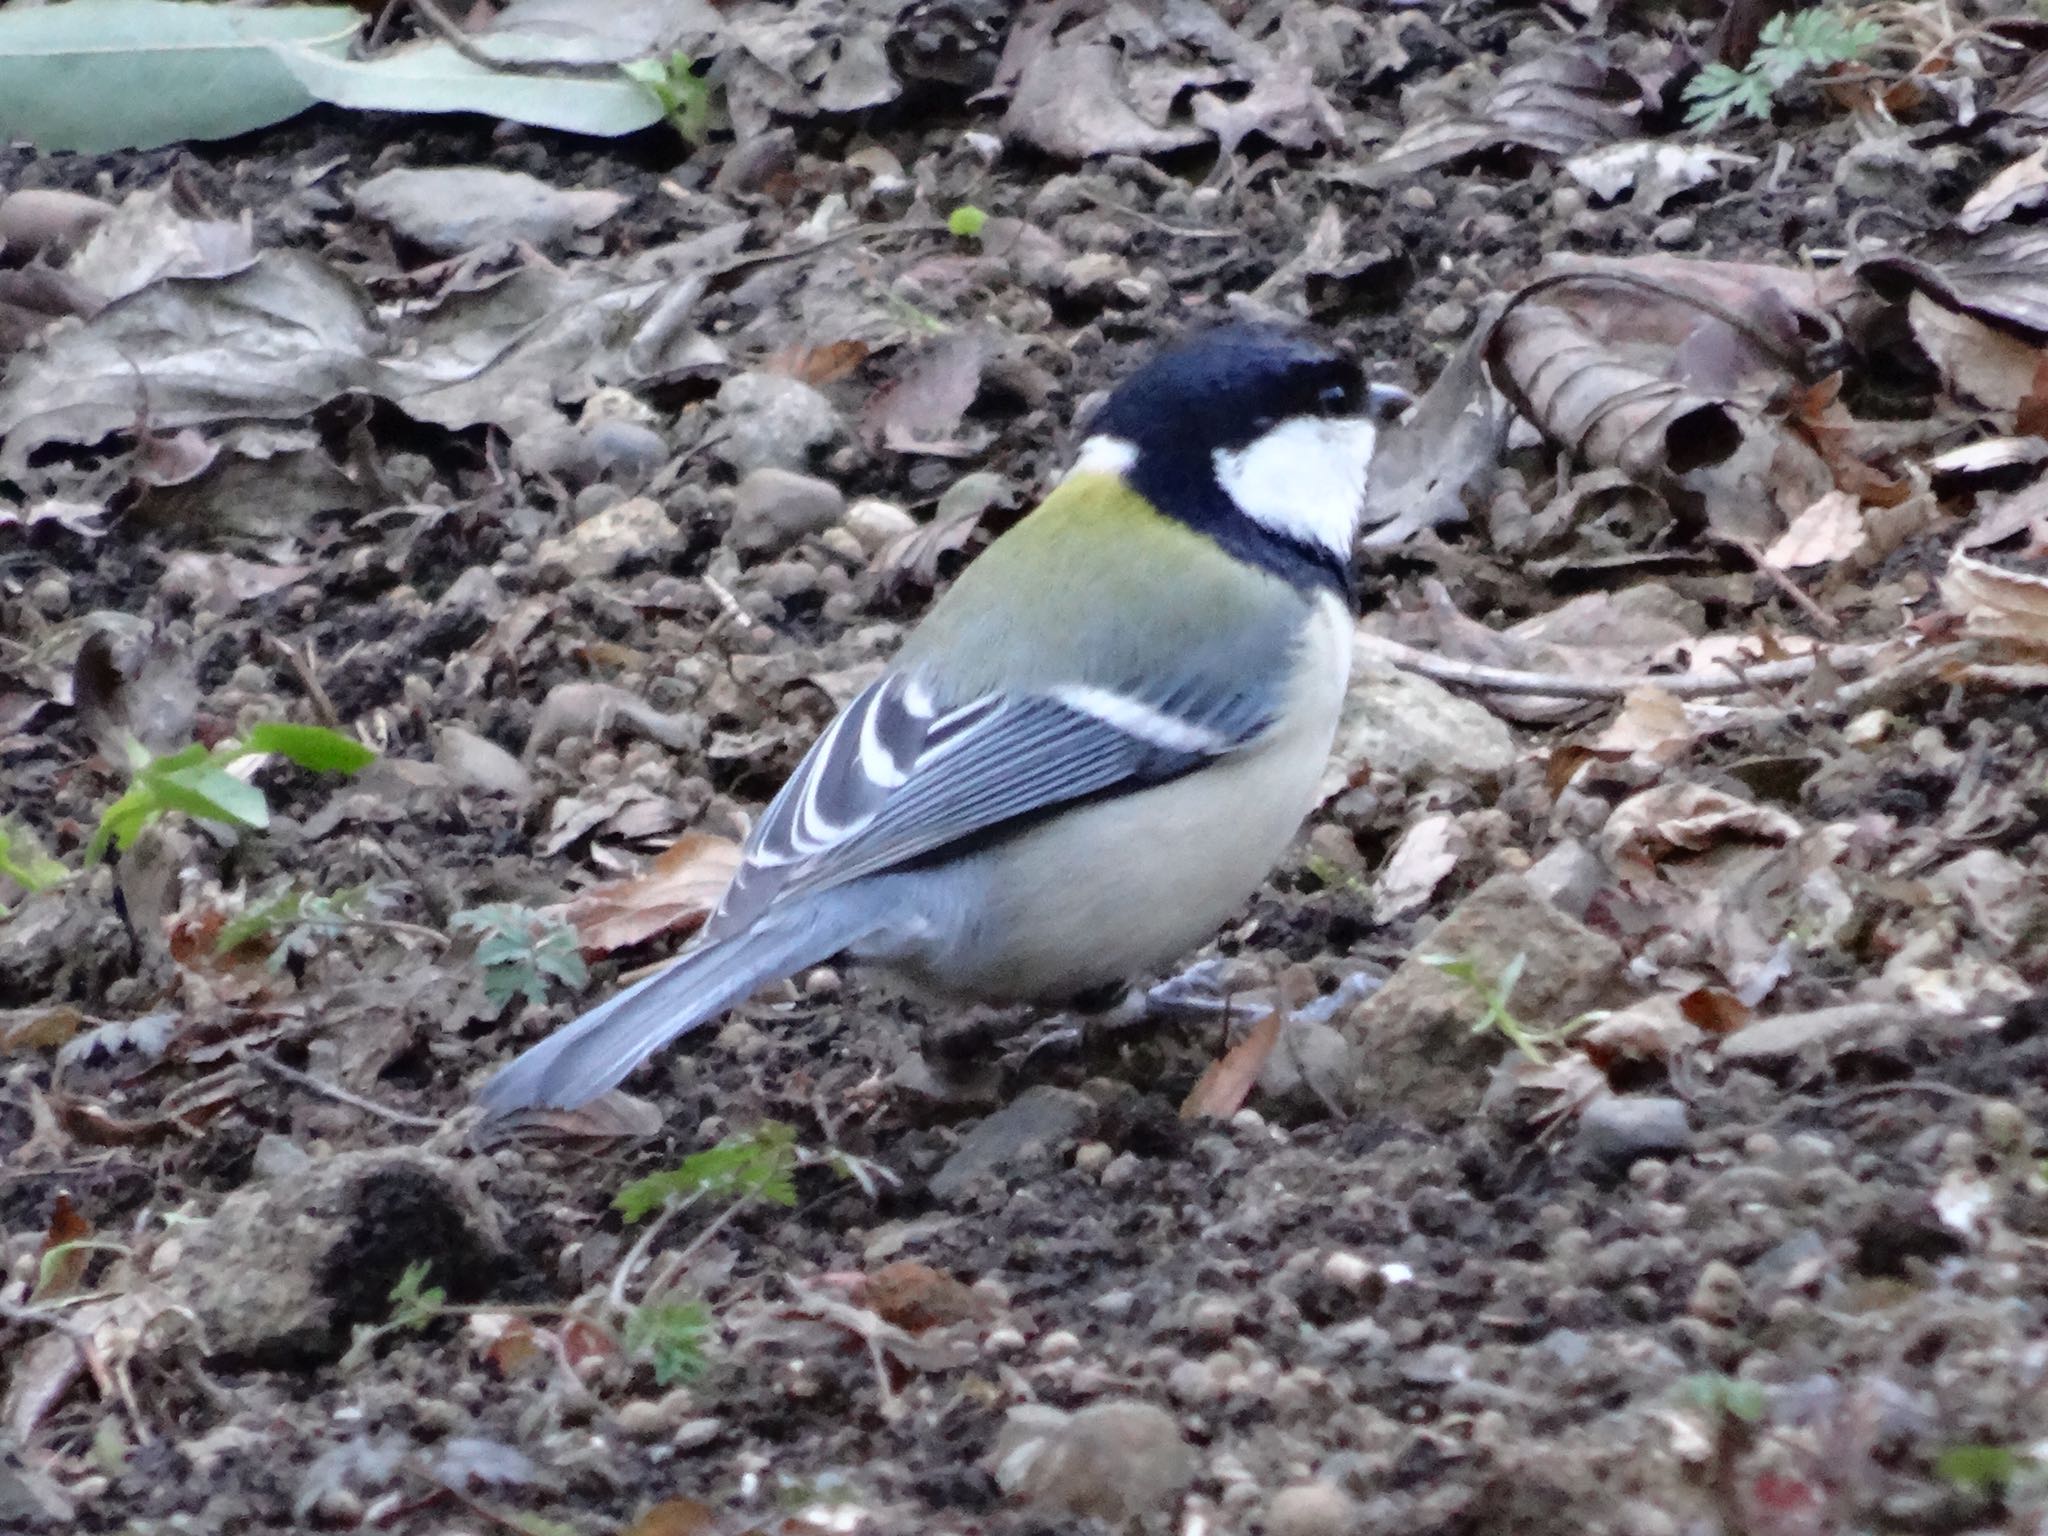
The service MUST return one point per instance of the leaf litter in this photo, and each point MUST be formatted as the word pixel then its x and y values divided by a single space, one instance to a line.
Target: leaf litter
pixel 1704 613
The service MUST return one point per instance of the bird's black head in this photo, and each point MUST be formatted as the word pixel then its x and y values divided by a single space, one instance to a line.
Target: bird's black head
pixel 1257 436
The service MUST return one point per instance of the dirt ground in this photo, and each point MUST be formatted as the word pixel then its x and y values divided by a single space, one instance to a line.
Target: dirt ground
pixel 1769 1256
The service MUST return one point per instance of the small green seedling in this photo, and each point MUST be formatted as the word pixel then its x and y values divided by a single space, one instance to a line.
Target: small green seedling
pixel 670 1334
pixel 1538 1045
pixel 1988 1470
pixel 196 781
pixel 967 222
pixel 760 1165
pixel 1722 1398
pixel 684 95
pixel 1791 44
pixel 519 949
pixel 295 921
pixel 414 1304
pixel 23 861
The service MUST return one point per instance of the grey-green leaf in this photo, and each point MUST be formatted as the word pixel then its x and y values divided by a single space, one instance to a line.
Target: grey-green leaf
pixel 101 75
pixel 433 77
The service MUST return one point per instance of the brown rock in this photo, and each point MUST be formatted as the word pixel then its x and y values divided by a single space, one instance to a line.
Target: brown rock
pixel 1419 1054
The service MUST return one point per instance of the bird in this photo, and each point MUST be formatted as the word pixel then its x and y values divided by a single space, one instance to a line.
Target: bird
pixel 1093 748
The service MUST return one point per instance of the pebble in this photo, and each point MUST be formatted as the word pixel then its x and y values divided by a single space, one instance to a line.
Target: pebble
pixel 1447 319
pixel 776 508
pixel 1117 1459
pixel 1421 199
pixel 1092 1157
pixel 1213 1317
pixel 1615 1131
pixel 51 597
pixel 1039 1120
pixel 771 421
pixel 1676 231
pixel 1347 1270
pixel 1058 1345
pixel 1718 1294
pixel 878 524
pixel 602 545
pixel 1312 1509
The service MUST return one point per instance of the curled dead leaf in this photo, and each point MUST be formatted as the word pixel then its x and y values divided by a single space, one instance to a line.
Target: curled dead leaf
pixel 1996 602
pixel 673 895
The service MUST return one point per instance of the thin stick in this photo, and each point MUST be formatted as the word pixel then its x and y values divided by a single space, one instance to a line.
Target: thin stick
pixel 1824 621
pixel 335 1091
pixel 1686 685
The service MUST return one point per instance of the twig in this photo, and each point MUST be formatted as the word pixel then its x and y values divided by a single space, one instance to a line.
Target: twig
pixel 1801 599
pixel 1686 685
pixel 670 1209
pixel 302 664
pixel 680 1259
pixel 335 1091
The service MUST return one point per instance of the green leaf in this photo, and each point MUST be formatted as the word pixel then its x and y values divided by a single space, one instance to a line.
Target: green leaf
pixel 671 1334
pixel 967 221
pixel 208 791
pixel 103 75
pixel 23 860
pixel 1983 1468
pixel 435 78
pixel 759 1165
pixel 310 746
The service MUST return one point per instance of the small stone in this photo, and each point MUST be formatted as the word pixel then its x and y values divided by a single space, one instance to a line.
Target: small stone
pixel 1347 1270
pixel 1117 1459
pixel 1312 1509
pixel 878 524
pixel 635 529
pixel 1060 1344
pixel 1718 1294
pixel 1415 1037
pixel 693 1433
pixel 1421 199
pixel 624 452
pixel 1617 1130
pixel 1093 275
pixel 1676 231
pixel 1092 1156
pixel 1312 1067
pixel 1040 1120
pixel 1414 729
pixel 1124 1168
pixel 1447 319
pixel 773 421
pixel 279 1157
pixel 1569 876
pixel 51 596
pixel 1003 1340
pixel 1213 1318
pixel 775 508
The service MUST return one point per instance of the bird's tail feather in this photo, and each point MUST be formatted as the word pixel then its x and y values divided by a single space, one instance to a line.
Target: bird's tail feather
pixel 590 1054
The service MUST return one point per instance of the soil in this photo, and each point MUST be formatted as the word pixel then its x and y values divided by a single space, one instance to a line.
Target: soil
pixel 1782 1325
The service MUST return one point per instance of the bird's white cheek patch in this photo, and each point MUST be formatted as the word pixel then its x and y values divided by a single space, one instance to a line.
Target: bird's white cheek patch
pixel 1305 479
pixel 1105 455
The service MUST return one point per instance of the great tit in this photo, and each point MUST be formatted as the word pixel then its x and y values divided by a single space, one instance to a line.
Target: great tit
pixel 1094 746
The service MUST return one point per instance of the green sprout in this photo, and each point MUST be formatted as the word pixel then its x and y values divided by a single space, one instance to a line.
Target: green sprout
pixel 966 222
pixel 23 861
pixel 519 949
pixel 670 1335
pixel 760 1165
pixel 1791 44
pixel 195 780
pixel 1496 1016
pixel 684 95
pixel 414 1304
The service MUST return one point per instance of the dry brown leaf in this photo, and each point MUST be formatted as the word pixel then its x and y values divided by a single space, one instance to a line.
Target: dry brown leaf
pixel 1999 277
pixel 63 1260
pixel 1226 1083
pixel 916 1297
pixel 819 365
pixel 1563 101
pixel 1983 366
pixel 2023 184
pixel 38 1029
pixel 673 895
pixel 1652 722
pixel 615 1114
pixel 1655 1029
pixel 920 410
pixel 1996 602
pixel 675 1517
pixel 1672 820
pixel 1826 533
pixel 1427 852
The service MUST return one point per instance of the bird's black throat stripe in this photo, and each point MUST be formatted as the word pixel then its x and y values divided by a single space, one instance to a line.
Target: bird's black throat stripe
pixel 1184 487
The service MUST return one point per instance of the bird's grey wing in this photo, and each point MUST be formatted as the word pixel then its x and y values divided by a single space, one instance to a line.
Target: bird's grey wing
pixel 896 777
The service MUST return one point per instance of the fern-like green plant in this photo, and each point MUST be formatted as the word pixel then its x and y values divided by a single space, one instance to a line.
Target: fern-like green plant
pixel 1791 44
